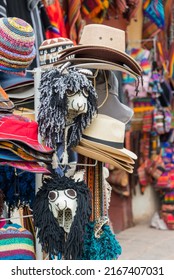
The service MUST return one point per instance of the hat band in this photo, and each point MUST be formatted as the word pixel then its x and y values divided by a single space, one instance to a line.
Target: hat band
pixel 116 145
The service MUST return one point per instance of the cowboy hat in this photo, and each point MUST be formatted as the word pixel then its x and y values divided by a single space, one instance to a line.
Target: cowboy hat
pixel 93 63
pixel 103 42
pixel 107 134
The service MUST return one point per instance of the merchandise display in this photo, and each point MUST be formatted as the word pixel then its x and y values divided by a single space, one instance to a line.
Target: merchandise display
pixel 85 120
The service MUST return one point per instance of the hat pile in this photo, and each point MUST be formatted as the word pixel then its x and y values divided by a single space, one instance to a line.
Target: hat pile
pixel 20 89
pixel 17 49
pixel 19 146
pixel 102 48
pixel 106 145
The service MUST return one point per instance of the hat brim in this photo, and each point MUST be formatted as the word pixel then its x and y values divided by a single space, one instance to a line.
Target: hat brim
pixel 21 92
pixel 92 63
pixel 29 151
pixel 33 167
pixel 20 139
pixel 120 157
pixel 106 148
pixel 100 52
pixel 19 152
pixel 90 153
pixel 10 81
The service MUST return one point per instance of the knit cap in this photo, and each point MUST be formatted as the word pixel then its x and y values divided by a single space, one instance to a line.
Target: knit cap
pixel 17 49
pixel 16 243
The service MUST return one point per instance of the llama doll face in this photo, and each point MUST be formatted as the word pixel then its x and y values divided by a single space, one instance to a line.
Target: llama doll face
pixel 78 102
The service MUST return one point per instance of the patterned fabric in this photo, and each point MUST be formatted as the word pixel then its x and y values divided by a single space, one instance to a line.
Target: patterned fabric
pixel 55 14
pixel 155 11
pixel 75 22
pixel 17 49
pixel 16 243
pixel 95 9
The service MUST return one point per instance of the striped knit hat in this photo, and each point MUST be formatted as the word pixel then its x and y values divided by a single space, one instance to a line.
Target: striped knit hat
pixel 17 49
pixel 16 243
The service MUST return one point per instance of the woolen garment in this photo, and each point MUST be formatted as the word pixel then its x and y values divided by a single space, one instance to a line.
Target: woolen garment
pixel 30 11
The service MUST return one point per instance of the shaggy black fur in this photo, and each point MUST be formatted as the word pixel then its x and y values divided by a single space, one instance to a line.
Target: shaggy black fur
pixel 50 234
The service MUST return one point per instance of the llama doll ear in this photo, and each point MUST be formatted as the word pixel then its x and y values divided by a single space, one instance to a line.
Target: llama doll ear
pixel 86 72
pixel 79 175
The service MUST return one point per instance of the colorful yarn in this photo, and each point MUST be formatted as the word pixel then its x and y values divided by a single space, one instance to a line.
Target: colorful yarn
pixel 16 243
pixel 17 49
pixel 106 247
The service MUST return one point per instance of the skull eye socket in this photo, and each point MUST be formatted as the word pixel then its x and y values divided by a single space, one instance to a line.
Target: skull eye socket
pixel 52 195
pixel 71 193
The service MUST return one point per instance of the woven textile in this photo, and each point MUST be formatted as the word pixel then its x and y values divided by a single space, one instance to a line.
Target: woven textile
pixel 17 49
pixel 16 243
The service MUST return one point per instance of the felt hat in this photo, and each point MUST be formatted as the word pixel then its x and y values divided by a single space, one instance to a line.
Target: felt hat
pixel 99 41
pixel 16 243
pixel 50 48
pixel 93 63
pixel 17 49
pixel 106 85
pixel 6 105
pixel 11 81
pixel 22 130
pixel 108 135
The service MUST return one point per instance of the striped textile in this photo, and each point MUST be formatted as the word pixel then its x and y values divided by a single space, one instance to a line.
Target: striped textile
pixel 16 243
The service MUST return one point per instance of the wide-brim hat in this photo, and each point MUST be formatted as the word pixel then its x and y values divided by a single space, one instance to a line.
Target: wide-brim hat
pixel 104 53
pixel 99 156
pixel 26 151
pixel 100 41
pixel 93 63
pixel 6 150
pixel 119 157
pixel 17 49
pixel 6 105
pixel 107 134
pixel 10 81
pixel 22 93
pixel 21 129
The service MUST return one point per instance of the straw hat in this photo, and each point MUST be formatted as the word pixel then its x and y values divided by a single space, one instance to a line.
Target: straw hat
pixel 108 135
pixel 102 157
